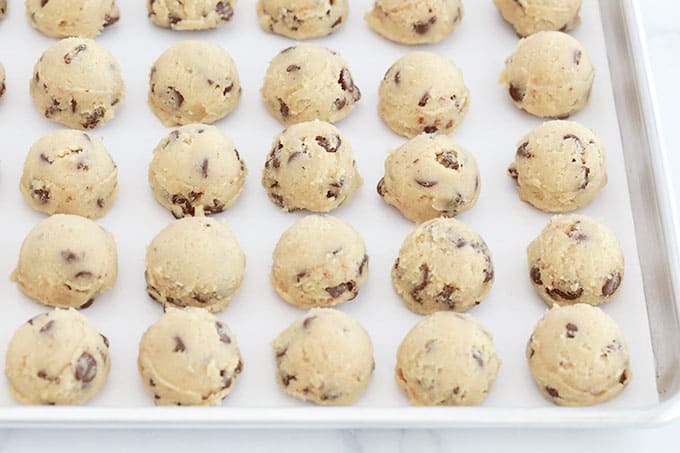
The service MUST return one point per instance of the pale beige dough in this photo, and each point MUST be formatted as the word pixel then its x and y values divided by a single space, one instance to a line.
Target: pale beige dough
pixel 72 18
pixel 196 170
pixel 195 261
pixel 324 357
pixel 77 83
pixel 575 259
pixel 302 19
pixel 319 261
pixel 447 359
pixel 59 358
pixel 189 358
pixel 69 172
pixel 430 176
pixel 531 16
pixel 578 356
pixel 190 14
pixel 66 261
pixel 415 21
pixel 311 166
pixel 443 265
pixel 559 166
pixel 549 75
pixel 308 82
pixel 193 82
pixel 423 92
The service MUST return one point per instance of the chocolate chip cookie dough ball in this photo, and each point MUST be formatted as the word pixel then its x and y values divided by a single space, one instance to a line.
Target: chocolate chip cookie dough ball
pixel 302 19
pixel 71 18
pixel 415 21
pixel 196 170
pixel 575 259
pixel 443 265
pixel 430 176
pixel 188 358
pixel 325 357
pixel 531 16
pixel 66 261
pixel 59 358
pixel 559 166
pixel 190 14
pixel 311 166
pixel 69 172
pixel 194 261
pixel 77 83
pixel 423 92
pixel 447 359
pixel 549 75
pixel 578 356
pixel 308 82
pixel 193 82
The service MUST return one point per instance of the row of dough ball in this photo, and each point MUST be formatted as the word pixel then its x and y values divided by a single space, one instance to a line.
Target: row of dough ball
pixel 577 356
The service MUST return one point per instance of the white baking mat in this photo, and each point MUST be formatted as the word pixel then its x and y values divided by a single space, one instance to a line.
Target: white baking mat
pixel 490 130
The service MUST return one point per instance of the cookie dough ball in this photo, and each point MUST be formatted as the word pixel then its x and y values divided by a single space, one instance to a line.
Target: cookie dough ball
pixel 69 172
pixel 59 358
pixel 311 166
pixel 77 83
pixel 574 260
pixel 559 166
pixel 190 14
pixel 2 80
pixel 194 261
pixel 66 261
pixel 578 356
pixel 443 265
pixel 325 357
pixel 447 359
pixel 307 82
pixel 549 75
pixel 193 82
pixel 69 18
pixel 196 170
pixel 423 92
pixel 531 16
pixel 320 261
pixel 430 176
pixel 189 358
pixel 415 22
pixel 302 19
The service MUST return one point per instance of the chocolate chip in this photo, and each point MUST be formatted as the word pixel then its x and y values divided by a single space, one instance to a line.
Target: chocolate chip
pixel 283 108
pixel 340 103
pixel 345 80
pixel 512 172
pixel 84 274
pixel 557 293
pixel 522 151
pixel 535 275
pixel 460 243
pixel 424 100
pixel 330 396
pixel 381 187
pixel 571 330
pixel 74 105
pixel 337 291
pixel 488 271
pixel 423 27
pixel 204 168
pixel 586 178
pixel 363 264
pixel 397 77
pixel 552 392
pixel 224 338
pixel 337 22
pixel 477 355
pixel 300 275
pixel 624 378
pixel 93 118
pixel 69 256
pixel 176 97
pixel 239 368
pixel 293 156
pixel 306 323
pixel 425 280
pixel 277 199
pixel 227 89
pixel 430 129
pixel 426 184
pixel 110 20
pixel 577 57
pixel 456 390
pixel 44 158
pixel 86 368
pixel 612 284
pixel 68 58
pixel 105 340
pixel 446 296
pixel 179 344
pixel 516 93
pixel 82 166
pixel 293 68
pixel 43 3
pixel 88 303
pixel 227 381
pixel 281 353
pixel 41 195
pixel 224 10
pixel 186 203
pixel 47 326
pixel 331 144
pixel 448 159
pixel 100 203
pixel 286 378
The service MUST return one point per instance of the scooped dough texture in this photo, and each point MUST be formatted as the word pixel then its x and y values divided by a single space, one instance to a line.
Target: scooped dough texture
pixel 559 166
pixel 196 170
pixel 531 16
pixel 190 14
pixel 311 166
pixel 430 176
pixel 319 261
pixel 443 265
pixel 77 82
pixel 59 358
pixel 302 19
pixel 423 92
pixel 575 259
pixel 325 357
pixel 69 172
pixel 415 21
pixel 549 75
pixel 447 359
pixel 71 18
pixel 66 261
pixel 195 261
pixel 578 356
pixel 308 82
pixel 193 82
pixel 189 357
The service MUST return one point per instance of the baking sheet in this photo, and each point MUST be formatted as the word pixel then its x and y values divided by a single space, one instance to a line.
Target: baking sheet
pixel 491 130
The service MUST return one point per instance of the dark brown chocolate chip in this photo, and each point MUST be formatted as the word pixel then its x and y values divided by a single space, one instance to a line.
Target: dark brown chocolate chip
pixel 578 141
pixel 204 168
pixel 557 293
pixel 612 284
pixel 293 68
pixel 381 187
pixel 447 296
pixel 460 243
pixel 93 118
pixel 283 108
pixel 477 355
pixel 280 354
pixel 337 291
pixel 227 89
pixel 337 22
pixel 41 195
pixel 363 264
pixel 425 280
pixel 624 378
pixel 43 3
pixel 69 256
pixel 68 58
pixel 286 378
pixel 512 172
pixel 430 129
pixel 186 203
pixel 105 340
pixel 423 27
pixel 552 392
pixel 424 100
pixel 306 323
pixel 531 352
pixel 84 274
pixel 82 166
pixel 523 152
pixel 340 103
pixel 535 275
pixel 293 156
pixel 586 178
pixel 44 158
pixel 397 77
pixel 300 275
pixel 345 80
pixel 239 368
pixel 426 184
pixel 571 330
pixel 100 203
pixel 516 93
pixel 47 327
pixel 221 332
pixel 226 379
pixel 88 303
pixel 331 144
pixel 176 97
pixel 86 368
pixel 456 390
pixel 277 199
pixel 224 10
pixel 74 105
pixel 173 19
pixel 448 159
pixel 179 344
pixel 577 57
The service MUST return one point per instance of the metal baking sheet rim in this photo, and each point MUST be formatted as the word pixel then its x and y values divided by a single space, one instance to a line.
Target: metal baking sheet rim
pixel 627 50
